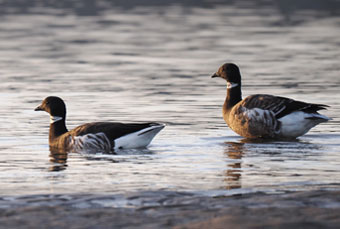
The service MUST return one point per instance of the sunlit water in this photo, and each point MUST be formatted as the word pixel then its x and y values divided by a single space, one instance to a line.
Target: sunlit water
pixel 154 64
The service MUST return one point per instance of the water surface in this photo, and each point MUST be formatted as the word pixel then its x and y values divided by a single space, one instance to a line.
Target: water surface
pixel 153 63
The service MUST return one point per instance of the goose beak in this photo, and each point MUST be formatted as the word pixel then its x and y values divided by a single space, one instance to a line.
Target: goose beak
pixel 38 108
pixel 214 76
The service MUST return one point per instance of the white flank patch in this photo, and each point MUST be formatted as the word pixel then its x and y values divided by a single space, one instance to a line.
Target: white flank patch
pixel 54 119
pixel 91 142
pixel 255 113
pixel 138 139
pixel 231 85
pixel 298 123
pixel 260 115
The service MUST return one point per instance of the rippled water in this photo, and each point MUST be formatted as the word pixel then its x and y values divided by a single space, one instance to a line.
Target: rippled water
pixel 153 63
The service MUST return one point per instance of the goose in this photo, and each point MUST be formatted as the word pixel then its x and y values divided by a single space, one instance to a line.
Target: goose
pixel 263 115
pixel 97 136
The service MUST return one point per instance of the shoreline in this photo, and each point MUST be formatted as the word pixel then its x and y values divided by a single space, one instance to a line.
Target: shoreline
pixel 165 209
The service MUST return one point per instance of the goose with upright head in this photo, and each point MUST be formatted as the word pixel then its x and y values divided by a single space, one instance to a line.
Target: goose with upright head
pixel 265 116
pixel 95 136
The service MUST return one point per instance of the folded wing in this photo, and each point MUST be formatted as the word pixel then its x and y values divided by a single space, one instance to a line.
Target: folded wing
pixel 280 106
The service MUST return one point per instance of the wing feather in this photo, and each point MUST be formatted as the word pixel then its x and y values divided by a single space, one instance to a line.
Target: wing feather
pixel 112 130
pixel 280 106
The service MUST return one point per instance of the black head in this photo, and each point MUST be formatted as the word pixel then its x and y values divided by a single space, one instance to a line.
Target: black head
pixel 53 105
pixel 230 72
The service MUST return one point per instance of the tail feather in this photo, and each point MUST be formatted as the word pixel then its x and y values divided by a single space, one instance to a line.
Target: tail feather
pixel 312 108
pixel 138 139
pixel 153 127
pixel 318 117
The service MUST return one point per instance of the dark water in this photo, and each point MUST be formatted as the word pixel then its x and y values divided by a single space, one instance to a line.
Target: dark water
pixel 133 62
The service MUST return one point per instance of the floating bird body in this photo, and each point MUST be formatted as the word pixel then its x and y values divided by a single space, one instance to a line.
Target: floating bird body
pixel 97 136
pixel 265 116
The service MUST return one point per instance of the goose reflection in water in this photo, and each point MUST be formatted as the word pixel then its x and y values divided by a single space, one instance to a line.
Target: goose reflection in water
pixel 58 158
pixel 234 152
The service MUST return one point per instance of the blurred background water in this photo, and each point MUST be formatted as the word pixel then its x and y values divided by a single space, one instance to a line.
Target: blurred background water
pixel 152 61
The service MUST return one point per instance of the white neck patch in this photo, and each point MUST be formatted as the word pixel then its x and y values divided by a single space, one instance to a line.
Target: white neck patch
pixel 231 85
pixel 54 119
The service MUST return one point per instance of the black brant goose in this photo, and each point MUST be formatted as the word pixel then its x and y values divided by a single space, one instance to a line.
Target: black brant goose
pixel 98 136
pixel 265 116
